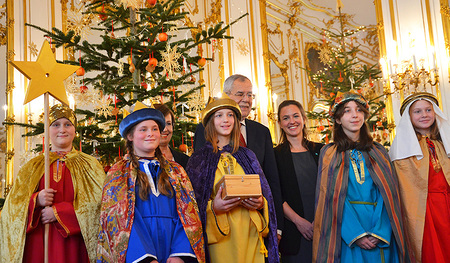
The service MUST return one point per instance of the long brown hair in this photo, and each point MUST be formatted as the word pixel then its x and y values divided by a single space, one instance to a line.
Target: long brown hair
pixel 341 139
pixel 164 185
pixel 211 133
pixel 283 137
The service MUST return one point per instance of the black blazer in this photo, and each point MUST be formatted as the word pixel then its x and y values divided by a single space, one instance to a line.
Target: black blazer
pixel 260 142
pixel 180 157
pixel 290 242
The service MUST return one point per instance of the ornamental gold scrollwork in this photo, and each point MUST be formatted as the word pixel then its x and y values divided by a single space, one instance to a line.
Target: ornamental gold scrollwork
pixel 445 11
pixel 9 155
pixel 9 87
pixel 284 71
pixel 214 17
pixel 272 116
pixel 10 55
pixel 10 119
pixel 276 31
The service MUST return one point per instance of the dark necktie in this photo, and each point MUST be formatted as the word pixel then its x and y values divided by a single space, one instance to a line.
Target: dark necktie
pixel 242 141
pixel 154 168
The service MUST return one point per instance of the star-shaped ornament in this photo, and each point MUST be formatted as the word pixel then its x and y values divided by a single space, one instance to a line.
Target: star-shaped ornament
pixel 46 75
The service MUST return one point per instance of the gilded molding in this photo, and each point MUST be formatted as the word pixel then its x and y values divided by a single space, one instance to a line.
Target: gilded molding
pixel 10 87
pixel 10 119
pixel 445 11
pixel 214 16
pixel 3 28
pixel 9 154
pixel 10 55
pixel 9 178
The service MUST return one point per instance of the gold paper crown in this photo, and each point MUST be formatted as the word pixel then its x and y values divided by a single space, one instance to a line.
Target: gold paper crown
pixel 59 111
pixel 215 104
pixel 137 106
pixel 417 96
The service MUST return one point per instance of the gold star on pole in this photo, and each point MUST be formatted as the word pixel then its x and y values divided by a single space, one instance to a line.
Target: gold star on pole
pixel 46 75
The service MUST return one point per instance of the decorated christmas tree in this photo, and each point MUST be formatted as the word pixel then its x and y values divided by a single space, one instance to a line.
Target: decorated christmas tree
pixel 147 51
pixel 342 70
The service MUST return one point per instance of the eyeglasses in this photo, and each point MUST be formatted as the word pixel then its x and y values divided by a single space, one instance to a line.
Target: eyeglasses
pixel 241 95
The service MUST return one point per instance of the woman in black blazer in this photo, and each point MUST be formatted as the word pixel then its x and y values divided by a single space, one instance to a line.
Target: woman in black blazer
pixel 297 160
pixel 166 136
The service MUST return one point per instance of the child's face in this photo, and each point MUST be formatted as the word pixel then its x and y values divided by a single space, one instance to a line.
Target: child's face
pixel 352 119
pixel 145 138
pixel 422 116
pixel 224 122
pixel 62 133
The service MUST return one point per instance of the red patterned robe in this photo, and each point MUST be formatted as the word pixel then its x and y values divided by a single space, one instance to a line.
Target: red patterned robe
pixel 65 239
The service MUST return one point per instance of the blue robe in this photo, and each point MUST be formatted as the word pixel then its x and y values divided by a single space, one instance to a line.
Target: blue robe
pixel 365 215
pixel 157 231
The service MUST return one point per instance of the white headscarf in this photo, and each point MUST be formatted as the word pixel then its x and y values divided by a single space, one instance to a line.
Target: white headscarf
pixel 405 143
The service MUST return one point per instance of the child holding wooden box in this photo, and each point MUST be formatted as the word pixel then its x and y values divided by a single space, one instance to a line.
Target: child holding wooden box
pixel 235 228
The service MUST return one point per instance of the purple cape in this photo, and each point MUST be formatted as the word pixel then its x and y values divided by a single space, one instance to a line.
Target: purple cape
pixel 201 170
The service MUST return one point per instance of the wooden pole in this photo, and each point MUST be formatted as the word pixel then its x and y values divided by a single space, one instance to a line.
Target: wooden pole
pixel 47 167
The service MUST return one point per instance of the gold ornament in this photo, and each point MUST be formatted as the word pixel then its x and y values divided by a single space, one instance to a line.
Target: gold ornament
pixel 46 75
pixel 104 107
pixel 78 22
pixel 33 49
pixel 170 61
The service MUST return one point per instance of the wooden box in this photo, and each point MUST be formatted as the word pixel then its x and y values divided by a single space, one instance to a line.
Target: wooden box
pixel 243 186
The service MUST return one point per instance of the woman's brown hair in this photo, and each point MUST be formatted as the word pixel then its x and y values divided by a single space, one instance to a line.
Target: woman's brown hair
pixel 286 103
pixel 211 133
pixel 343 143
pixel 164 185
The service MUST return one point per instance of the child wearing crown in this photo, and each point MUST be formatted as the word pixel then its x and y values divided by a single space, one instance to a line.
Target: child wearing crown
pixel 148 211
pixel 70 206
pixel 235 229
pixel 358 215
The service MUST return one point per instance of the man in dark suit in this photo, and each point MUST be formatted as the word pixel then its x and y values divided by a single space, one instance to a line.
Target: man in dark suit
pixel 254 136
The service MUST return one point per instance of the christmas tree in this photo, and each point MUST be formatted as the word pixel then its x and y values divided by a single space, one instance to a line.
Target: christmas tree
pixel 148 52
pixel 342 70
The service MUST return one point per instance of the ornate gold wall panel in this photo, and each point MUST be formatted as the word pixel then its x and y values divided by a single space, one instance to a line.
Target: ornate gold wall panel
pixel 9 97
pixel 445 13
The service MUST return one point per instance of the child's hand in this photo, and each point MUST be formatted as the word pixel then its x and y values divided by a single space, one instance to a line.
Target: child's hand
pixel 221 206
pixel 47 215
pixel 45 197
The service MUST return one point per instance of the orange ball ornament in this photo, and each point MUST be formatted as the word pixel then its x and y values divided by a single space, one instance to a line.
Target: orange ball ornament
pixel 83 89
pixel 80 71
pixel 201 62
pixel 101 10
pixel 162 37
pixel 153 62
pixel 151 3
pixel 183 147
